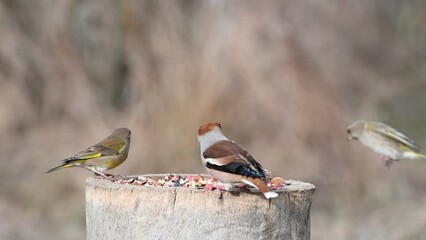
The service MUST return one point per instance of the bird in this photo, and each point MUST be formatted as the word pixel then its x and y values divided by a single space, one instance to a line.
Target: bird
pixel 229 162
pixel 105 155
pixel 389 143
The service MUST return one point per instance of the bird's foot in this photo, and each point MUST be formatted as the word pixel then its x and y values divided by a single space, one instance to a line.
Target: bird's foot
pixel 387 161
pixel 220 194
pixel 218 187
pixel 243 187
pixel 105 176
pixel 117 177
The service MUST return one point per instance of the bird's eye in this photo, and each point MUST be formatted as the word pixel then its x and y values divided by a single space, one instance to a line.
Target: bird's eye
pixel 220 125
pixel 349 131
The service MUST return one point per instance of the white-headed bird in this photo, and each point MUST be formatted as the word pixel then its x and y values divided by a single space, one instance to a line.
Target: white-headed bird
pixel 228 162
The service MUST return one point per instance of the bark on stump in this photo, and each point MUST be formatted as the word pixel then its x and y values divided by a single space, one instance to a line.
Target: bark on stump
pixel 118 211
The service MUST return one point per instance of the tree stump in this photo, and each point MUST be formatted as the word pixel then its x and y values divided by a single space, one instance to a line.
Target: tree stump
pixel 122 211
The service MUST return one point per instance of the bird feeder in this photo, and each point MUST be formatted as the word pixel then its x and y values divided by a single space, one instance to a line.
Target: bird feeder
pixel 126 211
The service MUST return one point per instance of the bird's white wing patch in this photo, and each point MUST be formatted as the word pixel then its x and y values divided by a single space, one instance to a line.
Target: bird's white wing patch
pixel 215 161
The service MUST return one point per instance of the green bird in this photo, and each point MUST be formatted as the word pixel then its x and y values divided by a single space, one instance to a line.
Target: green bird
pixel 384 140
pixel 106 155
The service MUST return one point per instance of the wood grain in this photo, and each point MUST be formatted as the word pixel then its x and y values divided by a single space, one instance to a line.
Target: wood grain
pixel 117 211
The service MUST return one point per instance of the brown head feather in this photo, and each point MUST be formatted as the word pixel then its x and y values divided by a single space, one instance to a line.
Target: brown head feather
pixel 207 127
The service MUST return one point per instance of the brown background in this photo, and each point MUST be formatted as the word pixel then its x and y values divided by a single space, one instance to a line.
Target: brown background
pixel 285 78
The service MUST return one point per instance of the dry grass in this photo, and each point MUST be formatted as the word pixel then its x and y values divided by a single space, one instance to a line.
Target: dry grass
pixel 284 77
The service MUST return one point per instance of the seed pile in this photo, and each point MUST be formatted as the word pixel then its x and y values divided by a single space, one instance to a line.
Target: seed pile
pixel 199 182
pixel 190 181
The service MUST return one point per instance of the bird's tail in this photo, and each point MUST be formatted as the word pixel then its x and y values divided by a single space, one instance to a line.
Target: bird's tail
pixel 64 165
pixel 420 156
pixel 415 155
pixel 259 184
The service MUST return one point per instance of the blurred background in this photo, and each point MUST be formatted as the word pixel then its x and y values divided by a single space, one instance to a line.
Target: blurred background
pixel 285 79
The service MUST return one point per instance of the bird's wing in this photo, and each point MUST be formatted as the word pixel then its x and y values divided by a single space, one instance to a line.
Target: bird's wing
pixel 228 157
pixel 395 135
pixel 114 143
pixel 95 151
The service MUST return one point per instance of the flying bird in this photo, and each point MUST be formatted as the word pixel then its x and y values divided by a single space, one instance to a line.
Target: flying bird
pixel 390 144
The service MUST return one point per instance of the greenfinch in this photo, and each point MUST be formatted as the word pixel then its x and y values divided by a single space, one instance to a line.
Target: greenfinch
pixel 384 140
pixel 106 155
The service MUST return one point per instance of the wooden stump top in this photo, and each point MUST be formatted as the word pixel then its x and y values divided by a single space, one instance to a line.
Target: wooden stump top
pixel 125 211
pixel 294 187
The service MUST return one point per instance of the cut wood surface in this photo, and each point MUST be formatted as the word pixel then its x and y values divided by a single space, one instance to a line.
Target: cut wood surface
pixel 123 211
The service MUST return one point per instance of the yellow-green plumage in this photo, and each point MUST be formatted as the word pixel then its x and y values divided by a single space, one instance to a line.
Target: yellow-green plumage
pixel 107 154
pixel 384 140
